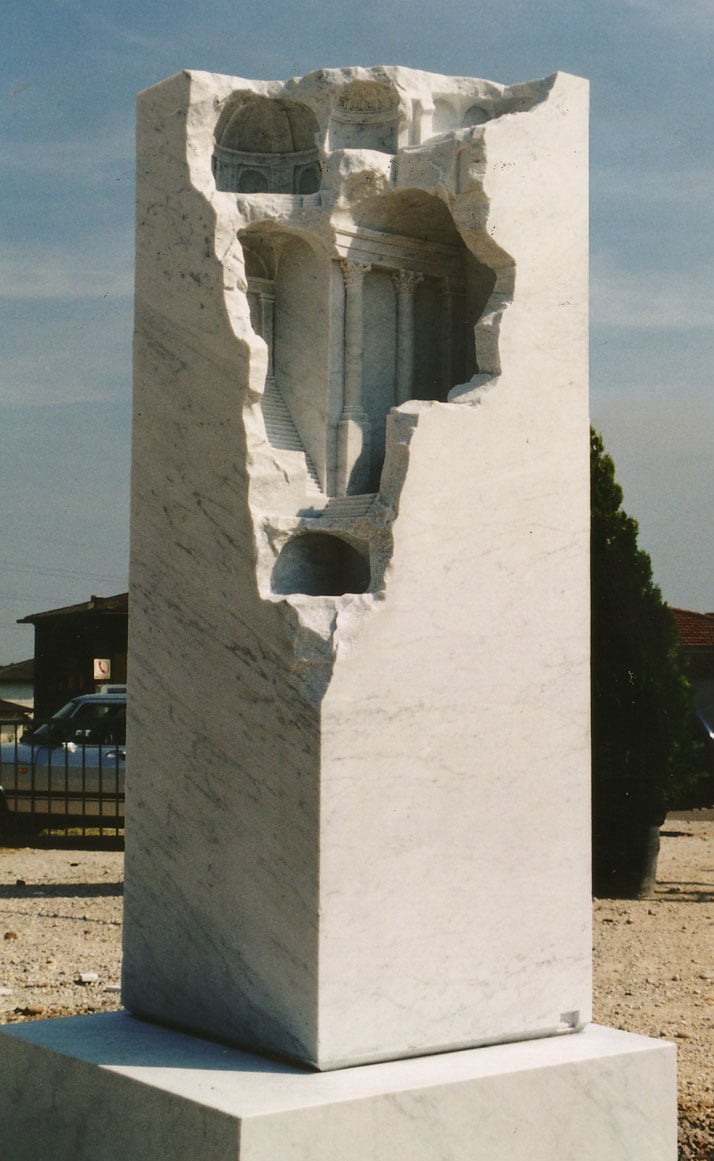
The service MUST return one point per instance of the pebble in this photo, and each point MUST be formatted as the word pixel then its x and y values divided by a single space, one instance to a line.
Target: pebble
pixel 669 940
pixel 88 978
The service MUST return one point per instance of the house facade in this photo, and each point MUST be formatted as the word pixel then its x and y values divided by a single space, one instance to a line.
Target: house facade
pixel 77 649
pixel 696 631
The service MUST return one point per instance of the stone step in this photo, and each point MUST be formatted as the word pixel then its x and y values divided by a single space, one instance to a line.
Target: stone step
pixel 282 433
pixel 350 506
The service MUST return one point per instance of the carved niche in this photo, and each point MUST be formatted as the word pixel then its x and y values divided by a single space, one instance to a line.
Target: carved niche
pixel 365 116
pixel 267 145
pixel 386 314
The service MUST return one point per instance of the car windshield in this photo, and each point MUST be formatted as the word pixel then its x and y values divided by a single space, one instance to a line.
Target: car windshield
pixel 98 723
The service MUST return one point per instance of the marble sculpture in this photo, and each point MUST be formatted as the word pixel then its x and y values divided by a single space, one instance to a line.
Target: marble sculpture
pixel 357 896
pixel 358 791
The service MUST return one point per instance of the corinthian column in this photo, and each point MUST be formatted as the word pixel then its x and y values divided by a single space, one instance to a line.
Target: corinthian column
pixel 353 274
pixel 406 282
pixel 353 430
pixel 266 299
pixel 447 336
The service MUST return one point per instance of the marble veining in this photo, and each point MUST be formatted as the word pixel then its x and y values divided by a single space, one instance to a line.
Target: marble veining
pixel 126 1090
pixel 357 800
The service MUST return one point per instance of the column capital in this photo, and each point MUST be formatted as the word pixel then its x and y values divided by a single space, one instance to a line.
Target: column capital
pixel 406 281
pixel 353 272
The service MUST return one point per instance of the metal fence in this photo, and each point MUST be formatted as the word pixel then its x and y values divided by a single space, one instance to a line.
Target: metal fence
pixel 68 788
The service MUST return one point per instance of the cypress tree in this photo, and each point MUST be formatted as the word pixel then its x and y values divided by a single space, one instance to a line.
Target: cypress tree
pixel 641 711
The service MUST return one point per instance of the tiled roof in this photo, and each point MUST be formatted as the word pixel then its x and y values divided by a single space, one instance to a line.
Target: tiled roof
pixel 10 710
pixel 17 672
pixel 116 604
pixel 695 629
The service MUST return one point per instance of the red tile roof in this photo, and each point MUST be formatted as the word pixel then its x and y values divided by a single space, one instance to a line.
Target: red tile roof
pixel 695 629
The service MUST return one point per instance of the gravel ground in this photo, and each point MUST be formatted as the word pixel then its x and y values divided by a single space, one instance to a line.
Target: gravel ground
pixel 654 969
pixel 60 952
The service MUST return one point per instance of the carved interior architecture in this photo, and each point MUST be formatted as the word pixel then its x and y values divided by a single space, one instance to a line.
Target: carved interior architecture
pixel 322 564
pixel 365 116
pixel 361 309
pixel 383 315
pixel 267 146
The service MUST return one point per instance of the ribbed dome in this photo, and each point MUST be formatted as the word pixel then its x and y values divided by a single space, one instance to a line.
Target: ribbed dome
pixel 263 125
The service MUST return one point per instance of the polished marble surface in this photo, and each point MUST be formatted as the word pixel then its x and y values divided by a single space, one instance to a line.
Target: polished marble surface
pixel 358 824
pixel 111 1088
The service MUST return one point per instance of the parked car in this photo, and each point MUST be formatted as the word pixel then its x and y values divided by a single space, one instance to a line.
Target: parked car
pixel 69 767
pixel 704 733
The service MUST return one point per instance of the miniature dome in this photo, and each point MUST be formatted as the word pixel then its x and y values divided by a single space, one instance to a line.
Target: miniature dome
pixel 267 145
pixel 264 125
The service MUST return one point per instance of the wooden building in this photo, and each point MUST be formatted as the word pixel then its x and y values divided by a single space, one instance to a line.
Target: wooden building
pixel 78 649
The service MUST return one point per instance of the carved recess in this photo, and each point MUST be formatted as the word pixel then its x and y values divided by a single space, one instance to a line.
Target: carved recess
pixel 267 145
pixel 365 116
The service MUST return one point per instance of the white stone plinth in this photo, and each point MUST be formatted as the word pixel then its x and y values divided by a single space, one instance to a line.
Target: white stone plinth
pixel 112 1088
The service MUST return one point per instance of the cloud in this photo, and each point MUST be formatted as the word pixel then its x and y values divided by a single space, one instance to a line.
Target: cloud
pixel 687 15
pixel 101 157
pixel 649 299
pixel 661 445
pixel 123 33
pixel 74 376
pixel 686 186
pixel 51 380
pixel 95 269
pixel 57 351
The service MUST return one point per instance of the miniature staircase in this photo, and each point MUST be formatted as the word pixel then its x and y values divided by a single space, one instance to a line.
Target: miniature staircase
pixel 350 507
pixel 281 430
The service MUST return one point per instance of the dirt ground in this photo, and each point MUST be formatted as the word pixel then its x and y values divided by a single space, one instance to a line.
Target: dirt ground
pixel 654 969
pixel 60 952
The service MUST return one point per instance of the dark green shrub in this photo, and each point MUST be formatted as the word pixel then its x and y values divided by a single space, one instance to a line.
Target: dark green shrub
pixel 643 753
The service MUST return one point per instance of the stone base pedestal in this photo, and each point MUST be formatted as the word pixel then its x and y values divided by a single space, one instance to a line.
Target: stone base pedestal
pixel 113 1088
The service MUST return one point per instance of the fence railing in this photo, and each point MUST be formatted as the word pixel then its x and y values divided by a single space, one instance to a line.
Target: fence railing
pixel 74 787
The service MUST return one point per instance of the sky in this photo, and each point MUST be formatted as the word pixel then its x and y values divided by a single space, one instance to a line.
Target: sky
pixel 70 72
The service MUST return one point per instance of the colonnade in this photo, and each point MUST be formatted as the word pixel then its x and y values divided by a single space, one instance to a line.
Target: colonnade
pixel 353 468
pixel 353 463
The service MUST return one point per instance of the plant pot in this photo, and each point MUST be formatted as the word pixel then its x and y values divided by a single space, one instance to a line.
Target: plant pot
pixel 625 860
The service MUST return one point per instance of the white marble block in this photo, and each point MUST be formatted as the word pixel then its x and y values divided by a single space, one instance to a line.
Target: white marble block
pixel 110 1088
pixel 358 780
